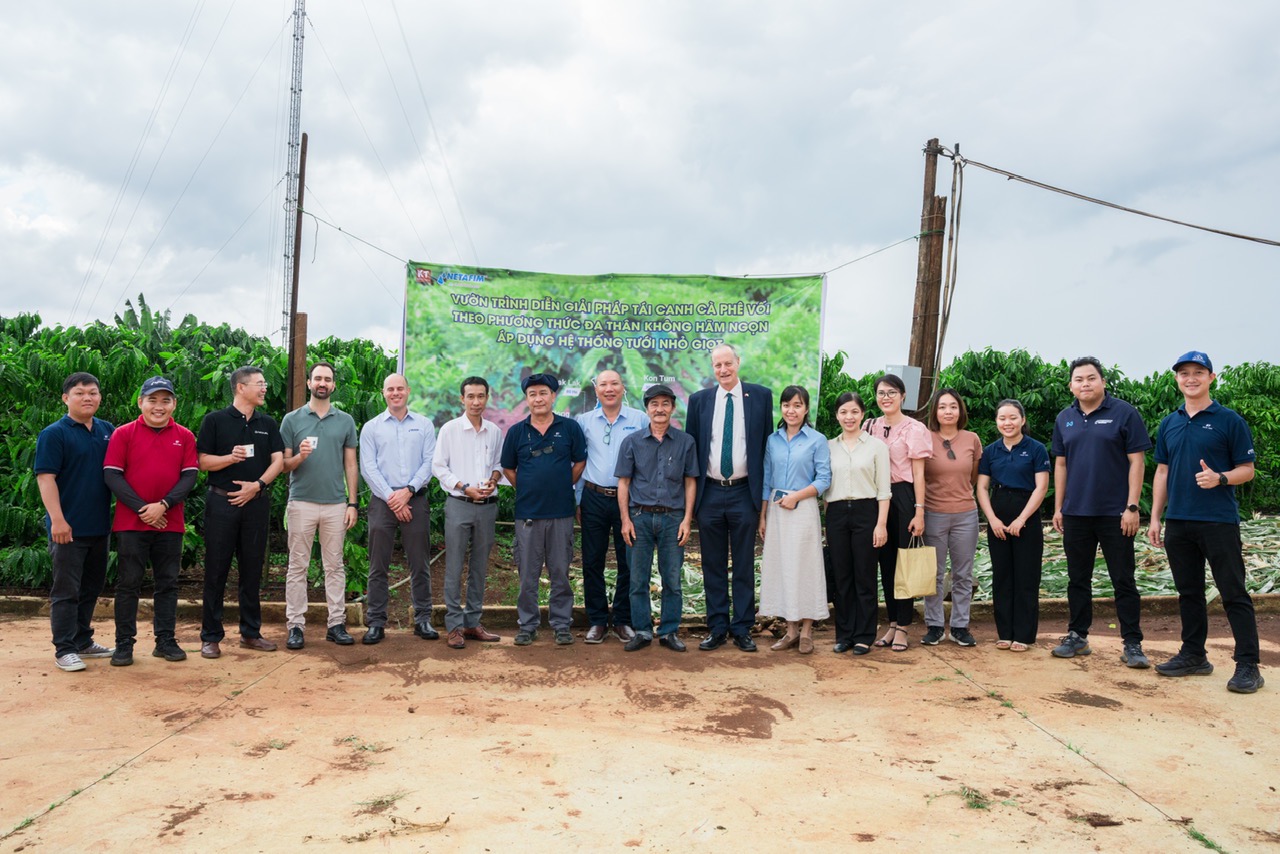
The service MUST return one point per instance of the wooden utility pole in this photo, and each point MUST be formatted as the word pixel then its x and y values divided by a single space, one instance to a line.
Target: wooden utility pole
pixel 297 390
pixel 923 351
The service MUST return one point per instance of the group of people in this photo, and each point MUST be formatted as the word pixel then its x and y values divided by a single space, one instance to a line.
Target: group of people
pixel 636 483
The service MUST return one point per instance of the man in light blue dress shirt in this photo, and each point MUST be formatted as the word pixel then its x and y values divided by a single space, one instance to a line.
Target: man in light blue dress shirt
pixel 395 460
pixel 605 428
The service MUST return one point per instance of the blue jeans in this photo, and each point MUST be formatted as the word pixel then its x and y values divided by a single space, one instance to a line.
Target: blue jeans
pixel 656 532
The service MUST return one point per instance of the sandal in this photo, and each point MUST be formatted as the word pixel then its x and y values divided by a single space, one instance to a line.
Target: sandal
pixel 1003 644
pixel 861 649
pixel 888 636
pixel 1018 646
pixel 900 646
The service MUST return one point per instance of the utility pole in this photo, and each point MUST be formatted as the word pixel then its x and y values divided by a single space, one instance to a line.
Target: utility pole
pixel 298 328
pixel 923 351
pixel 293 196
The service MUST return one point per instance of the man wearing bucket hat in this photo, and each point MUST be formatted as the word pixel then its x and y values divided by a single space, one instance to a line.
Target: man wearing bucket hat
pixel 543 456
pixel 150 467
pixel 1203 452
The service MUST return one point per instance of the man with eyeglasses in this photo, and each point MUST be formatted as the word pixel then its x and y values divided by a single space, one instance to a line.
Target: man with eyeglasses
pixel 241 448
pixel 543 456
pixel 605 427
pixel 1099 446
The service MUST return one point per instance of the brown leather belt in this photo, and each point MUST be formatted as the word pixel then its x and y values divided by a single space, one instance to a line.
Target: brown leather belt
pixel 611 492
pixel 654 508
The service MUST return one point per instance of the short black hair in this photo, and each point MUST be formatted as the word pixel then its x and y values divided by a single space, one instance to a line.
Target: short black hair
pixel 242 374
pixel 480 381
pixel 80 378
pixel 323 364
pixel 1086 360
pixel 891 380
pixel 793 391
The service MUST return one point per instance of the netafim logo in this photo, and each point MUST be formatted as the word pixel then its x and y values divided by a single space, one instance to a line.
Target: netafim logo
pixel 426 278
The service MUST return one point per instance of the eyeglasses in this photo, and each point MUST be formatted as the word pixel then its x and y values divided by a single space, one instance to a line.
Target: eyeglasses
pixel 946 443
pixel 537 452
pixel 608 432
pixel 887 392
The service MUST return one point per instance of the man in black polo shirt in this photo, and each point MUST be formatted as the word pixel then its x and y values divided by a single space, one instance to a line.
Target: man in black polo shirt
pixel 1100 446
pixel 69 455
pixel 242 450
pixel 542 457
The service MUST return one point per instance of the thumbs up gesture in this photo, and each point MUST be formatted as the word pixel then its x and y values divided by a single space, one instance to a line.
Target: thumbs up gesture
pixel 1207 478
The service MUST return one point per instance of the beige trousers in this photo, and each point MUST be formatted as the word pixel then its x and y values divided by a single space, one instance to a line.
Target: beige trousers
pixel 305 519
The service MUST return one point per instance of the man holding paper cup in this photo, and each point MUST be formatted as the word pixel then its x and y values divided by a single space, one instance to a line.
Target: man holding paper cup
pixel 320 457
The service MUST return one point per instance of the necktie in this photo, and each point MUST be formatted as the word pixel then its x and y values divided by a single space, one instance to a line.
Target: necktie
pixel 726 444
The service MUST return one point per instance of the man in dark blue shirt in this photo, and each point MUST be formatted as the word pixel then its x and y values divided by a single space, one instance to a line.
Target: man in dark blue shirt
pixel 69 456
pixel 1203 452
pixel 1100 445
pixel 543 456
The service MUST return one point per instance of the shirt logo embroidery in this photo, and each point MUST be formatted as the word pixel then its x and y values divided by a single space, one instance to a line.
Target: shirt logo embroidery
pixel 1104 421
pixel 1071 423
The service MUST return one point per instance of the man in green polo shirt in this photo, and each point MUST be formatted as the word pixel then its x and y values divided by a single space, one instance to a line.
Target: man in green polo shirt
pixel 320 457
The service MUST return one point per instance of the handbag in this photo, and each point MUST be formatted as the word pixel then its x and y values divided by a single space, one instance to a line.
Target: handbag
pixel 917 571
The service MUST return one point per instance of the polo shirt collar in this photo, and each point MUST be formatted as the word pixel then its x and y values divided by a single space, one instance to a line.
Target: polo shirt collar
pixel 1213 406
pixel 142 422
pixel 1106 401
pixel 231 410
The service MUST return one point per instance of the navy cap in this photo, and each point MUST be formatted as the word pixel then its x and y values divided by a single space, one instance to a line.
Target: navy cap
pixel 1194 356
pixel 658 390
pixel 540 379
pixel 156 384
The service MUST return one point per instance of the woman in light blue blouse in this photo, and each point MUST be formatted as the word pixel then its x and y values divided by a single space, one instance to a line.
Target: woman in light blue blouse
pixel 797 469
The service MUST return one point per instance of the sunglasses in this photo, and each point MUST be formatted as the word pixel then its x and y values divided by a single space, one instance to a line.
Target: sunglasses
pixel 537 452
pixel 946 443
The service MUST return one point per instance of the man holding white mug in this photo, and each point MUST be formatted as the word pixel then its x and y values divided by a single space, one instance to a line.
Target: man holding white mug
pixel 320 457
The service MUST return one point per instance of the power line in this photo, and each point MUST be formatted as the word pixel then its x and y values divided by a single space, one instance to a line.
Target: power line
pixel 313 197
pixel 339 228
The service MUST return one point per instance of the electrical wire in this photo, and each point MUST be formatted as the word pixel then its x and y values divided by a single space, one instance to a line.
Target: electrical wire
pixel 399 300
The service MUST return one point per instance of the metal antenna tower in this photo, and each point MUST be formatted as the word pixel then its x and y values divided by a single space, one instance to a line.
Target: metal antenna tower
pixel 291 172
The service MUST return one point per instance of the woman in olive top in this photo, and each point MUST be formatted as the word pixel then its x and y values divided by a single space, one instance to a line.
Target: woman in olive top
pixel 909 446
pixel 857 520
pixel 950 513
pixel 1013 477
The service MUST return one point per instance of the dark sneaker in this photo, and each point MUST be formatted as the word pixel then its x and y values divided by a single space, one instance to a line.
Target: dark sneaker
pixel 564 637
pixel 69 662
pixel 524 638
pixel 1134 657
pixel 96 650
pixel 122 655
pixel 934 636
pixel 296 639
pixel 1071 646
pixel 169 650
pixel 963 638
pixel 1183 664
pixel 1247 679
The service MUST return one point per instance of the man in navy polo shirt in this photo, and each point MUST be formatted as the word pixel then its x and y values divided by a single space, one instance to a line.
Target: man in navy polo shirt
pixel 543 456
pixel 151 466
pixel 1100 445
pixel 1203 452
pixel 77 503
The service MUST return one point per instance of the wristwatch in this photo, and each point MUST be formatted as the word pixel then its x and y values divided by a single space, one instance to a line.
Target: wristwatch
pixel 1133 508
pixel 1222 479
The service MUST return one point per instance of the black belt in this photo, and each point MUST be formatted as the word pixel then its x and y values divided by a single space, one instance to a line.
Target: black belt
pixel 491 500
pixel 654 508
pixel 849 501
pixel 740 481
pixel 1000 487
pixel 217 490
pixel 610 491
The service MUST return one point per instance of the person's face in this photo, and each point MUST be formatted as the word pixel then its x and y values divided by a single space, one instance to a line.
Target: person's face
pixel 660 409
pixel 83 400
pixel 1087 385
pixel 157 408
pixel 724 364
pixel 794 411
pixel 395 391
pixel 320 383
pixel 254 389
pixel 1009 421
pixel 540 399
pixel 948 411
pixel 888 398
pixel 475 398
pixel 609 388
pixel 850 417
pixel 1194 380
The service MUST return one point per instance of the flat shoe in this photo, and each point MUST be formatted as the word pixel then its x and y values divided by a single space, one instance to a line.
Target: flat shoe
pixel 861 649
pixel 785 642
pixel 806 645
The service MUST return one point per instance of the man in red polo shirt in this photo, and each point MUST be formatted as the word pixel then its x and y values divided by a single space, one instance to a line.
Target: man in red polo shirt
pixel 150 466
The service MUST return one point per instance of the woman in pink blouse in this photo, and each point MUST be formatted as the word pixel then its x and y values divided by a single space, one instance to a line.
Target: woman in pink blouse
pixel 909 446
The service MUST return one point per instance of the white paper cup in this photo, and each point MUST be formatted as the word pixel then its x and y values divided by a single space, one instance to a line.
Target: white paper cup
pixel 248 450
pixel 313 441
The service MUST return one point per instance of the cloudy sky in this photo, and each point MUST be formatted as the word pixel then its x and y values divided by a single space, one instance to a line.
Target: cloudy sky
pixel 143 151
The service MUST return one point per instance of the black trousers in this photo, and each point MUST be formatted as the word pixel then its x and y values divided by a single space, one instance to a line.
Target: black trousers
pixel 1081 537
pixel 79 572
pixel 902 507
pixel 163 550
pixel 240 533
pixel 602 522
pixel 1188 545
pixel 1016 564
pixel 850 526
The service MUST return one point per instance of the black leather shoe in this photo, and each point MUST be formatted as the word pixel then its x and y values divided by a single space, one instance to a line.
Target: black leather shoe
pixel 296 640
pixel 373 635
pixel 637 642
pixel 672 642
pixel 424 631
pixel 842 646
pixel 338 635
pixel 744 643
pixel 713 642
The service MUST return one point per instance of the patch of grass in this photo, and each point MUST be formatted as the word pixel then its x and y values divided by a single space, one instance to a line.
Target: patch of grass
pixel 277 744
pixel 357 744
pixel 1008 704
pixel 1074 749
pixel 382 802
pixel 1204 840
pixel 973 799
pixel 934 679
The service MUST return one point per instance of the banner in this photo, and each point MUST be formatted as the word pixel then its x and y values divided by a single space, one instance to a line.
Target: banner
pixel 506 324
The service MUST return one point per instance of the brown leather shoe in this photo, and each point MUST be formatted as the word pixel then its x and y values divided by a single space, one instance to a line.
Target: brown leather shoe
pixel 596 634
pixel 480 633
pixel 260 644
pixel 210 650
pixel 456 640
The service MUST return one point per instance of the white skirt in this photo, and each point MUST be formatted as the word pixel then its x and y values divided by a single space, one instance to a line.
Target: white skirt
pixel 793 583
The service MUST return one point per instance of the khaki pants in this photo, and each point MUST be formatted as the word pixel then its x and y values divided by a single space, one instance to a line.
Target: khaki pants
pixel 305 519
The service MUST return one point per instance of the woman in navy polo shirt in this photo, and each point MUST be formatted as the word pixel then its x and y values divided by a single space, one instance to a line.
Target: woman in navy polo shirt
pixel 1013 477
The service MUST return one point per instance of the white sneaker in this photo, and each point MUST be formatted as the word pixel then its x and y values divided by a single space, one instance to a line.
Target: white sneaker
pixel 96 650
pixel 69 662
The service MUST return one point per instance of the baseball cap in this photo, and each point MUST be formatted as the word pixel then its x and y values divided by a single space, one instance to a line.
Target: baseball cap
pixel 156 384
pixel 1194 356
pixel 658 390
pixel 540 379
